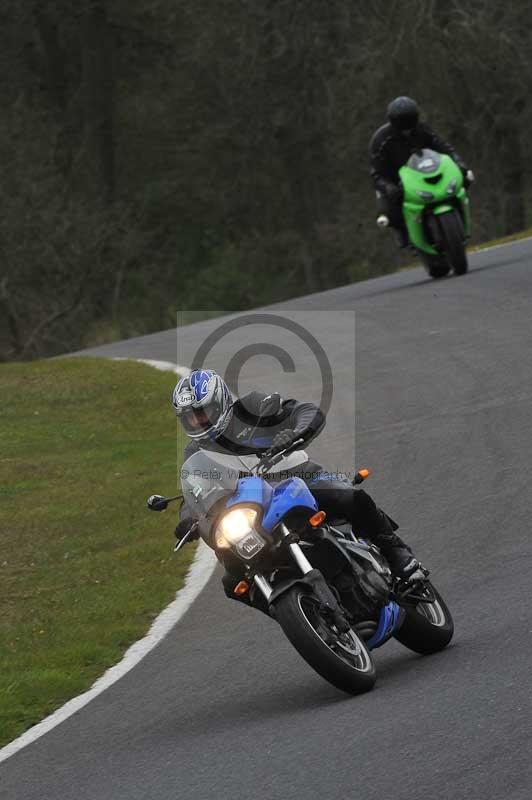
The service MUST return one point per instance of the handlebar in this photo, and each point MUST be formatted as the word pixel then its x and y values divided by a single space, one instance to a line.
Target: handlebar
pixel 268 460
pixel 265 463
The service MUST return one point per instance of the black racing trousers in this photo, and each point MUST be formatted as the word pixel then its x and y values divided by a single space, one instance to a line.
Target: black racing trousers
pixel 341 502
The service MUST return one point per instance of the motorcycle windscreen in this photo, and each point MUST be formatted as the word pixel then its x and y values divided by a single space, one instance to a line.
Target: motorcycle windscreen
pixel 206 477
pixel 426 161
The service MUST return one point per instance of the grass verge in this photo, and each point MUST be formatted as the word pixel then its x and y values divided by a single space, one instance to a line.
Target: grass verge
pixel 84 567
pixel 514 237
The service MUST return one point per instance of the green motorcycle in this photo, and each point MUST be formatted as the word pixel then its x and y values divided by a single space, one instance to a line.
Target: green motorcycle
pixel 436 211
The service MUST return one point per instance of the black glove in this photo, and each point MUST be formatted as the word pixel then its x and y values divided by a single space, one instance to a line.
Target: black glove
pixel 283 440
pixel 183 528
pixel 393 192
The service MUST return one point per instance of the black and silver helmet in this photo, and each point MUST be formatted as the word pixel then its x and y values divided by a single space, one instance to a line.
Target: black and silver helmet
pixel 203 404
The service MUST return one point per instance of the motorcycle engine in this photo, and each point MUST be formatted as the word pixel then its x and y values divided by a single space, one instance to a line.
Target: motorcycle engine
pixel 362 590
pixel 365 591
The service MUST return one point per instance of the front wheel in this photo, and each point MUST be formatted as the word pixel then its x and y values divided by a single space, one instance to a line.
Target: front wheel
pixel 436 265
pixel 427 627
pixel 452 233
pixel 340 658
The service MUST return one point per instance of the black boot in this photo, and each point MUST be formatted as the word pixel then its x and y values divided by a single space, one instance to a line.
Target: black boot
pixel 397 553
pixel 401 237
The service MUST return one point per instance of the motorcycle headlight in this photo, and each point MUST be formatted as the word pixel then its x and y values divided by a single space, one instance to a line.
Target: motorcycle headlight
pixel 425 195
pixel 236 528
pixel 451 187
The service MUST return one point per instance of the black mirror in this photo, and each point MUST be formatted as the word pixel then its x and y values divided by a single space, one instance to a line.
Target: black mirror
pixel 157 503
pixel 270 405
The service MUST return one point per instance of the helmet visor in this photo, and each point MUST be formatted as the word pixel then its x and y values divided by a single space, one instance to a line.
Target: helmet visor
pixel 406 122
pixel 196 421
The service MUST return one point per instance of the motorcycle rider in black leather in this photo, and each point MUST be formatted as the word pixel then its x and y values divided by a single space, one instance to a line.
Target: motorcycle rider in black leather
pixel 390 148
pixel 215 422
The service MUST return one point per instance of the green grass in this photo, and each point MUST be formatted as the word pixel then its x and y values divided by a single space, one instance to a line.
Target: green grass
pixel 513 237
pixel 84 567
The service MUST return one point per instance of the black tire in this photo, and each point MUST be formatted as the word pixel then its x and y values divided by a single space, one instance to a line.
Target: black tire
pixel 297 612
pixel 452 232
pixel 436 265
pixel 427 627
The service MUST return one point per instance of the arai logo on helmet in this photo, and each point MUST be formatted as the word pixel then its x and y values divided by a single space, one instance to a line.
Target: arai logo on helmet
pixel 199 382
pixel 185 399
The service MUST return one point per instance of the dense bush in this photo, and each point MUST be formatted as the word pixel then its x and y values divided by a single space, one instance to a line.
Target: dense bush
pixel 189 154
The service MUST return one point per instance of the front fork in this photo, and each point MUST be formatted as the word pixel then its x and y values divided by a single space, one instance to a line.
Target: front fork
pixel 298 555
pixel 312 578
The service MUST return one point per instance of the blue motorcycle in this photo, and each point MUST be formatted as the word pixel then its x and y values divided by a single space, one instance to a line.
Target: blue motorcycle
pixel 331 592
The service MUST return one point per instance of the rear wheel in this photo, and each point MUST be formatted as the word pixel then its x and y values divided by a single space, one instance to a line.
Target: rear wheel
pixel 340 658
pixel 452 232
pixel 427 627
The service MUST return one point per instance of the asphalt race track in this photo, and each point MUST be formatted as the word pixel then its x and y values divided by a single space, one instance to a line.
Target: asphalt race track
pixel 224 708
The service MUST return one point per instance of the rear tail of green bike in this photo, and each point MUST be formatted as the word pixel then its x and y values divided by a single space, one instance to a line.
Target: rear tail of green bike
pixel 436 211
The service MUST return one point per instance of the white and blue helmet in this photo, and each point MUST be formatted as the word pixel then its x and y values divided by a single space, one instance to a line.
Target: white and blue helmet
pixel 203 404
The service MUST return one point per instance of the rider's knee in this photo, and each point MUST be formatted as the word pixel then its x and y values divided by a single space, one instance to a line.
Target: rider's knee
pixel 365 510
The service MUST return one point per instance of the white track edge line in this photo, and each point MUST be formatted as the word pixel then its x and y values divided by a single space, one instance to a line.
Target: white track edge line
pixel 199 573
pixel 165 366
pixel 482 249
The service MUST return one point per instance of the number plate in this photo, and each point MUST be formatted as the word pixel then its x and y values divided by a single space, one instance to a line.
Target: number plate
pixel 250 546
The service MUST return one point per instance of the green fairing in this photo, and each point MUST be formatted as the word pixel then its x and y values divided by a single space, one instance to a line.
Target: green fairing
pixel 443 209
pixel 415 180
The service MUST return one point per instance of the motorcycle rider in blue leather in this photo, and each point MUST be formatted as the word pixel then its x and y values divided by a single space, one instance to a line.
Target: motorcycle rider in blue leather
pixel 214 421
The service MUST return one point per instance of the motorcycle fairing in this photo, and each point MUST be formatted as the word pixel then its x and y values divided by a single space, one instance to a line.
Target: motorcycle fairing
pixel 443 209
pixel 287 495
pixel 434 177
pixel 251 490
pixel 276 501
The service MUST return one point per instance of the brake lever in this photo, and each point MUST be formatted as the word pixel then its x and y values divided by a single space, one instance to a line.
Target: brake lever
pixel 185 538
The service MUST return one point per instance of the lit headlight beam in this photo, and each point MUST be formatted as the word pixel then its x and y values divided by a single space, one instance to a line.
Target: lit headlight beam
pixel 234 526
